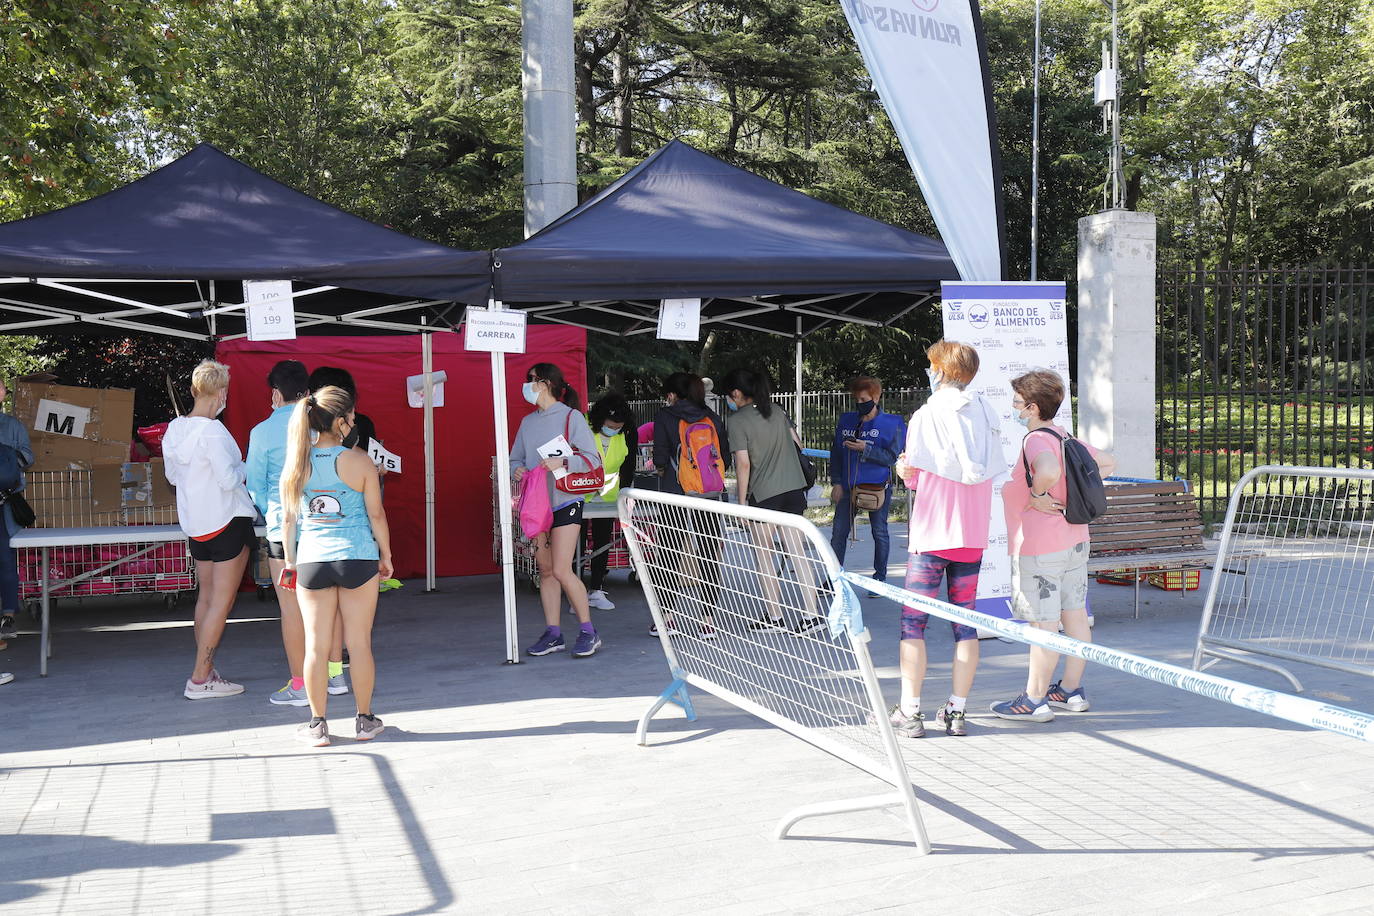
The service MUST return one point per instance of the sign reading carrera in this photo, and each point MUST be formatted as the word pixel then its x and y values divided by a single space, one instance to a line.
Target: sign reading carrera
pixel 494 330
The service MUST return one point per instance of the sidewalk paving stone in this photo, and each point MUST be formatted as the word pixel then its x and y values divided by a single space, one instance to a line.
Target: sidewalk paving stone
pixel 520 789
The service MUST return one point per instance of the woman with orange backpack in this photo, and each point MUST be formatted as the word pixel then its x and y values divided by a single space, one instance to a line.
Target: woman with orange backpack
pixel 691 454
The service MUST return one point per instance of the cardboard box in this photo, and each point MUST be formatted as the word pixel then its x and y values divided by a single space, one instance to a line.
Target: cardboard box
pixel 145 485
pixel 75 428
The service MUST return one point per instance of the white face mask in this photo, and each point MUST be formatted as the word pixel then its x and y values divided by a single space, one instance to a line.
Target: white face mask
pixel 530 394
pixel 936 379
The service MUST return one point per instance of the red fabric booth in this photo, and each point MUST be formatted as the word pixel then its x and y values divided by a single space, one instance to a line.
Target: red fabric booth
pixel 462 427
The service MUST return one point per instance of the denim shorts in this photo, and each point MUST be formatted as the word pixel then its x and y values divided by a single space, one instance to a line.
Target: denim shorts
pixel 1046 584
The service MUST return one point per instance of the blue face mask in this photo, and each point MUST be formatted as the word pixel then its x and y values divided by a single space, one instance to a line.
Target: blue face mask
pixel 731 405
pixel 1024 421
pixel 608 432
pixel 936 379
pixel 529 393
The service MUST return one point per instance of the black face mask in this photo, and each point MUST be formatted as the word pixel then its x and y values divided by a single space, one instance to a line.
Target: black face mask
pixel 351 440
pixel 864 407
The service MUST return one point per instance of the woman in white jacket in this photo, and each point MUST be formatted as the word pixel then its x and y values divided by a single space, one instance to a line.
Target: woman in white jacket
pixel 204 463
pixel 953 454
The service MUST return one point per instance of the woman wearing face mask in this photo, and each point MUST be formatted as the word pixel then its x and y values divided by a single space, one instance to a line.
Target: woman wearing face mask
pixel 692 551
pixel 556 414
pixel 613 427
pixel 953 454
pixel 769 475
pixel 1049 556
pixel 866 444
pixel 338 547
pixel 215 511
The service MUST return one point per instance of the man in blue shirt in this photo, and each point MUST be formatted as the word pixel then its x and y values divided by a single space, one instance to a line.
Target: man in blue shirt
pixel 289 382
pixel 867 442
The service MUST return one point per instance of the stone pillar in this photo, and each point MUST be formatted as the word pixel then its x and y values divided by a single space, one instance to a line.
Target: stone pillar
pixel 1116 337
pixel 546 83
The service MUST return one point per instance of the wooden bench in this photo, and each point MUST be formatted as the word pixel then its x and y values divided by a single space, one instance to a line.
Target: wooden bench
pixel 1154 525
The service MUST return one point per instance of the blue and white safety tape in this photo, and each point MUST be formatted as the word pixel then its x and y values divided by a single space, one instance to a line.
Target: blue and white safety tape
pixel 1311 713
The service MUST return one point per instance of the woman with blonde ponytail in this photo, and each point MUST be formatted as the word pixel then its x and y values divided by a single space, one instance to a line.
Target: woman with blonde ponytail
pixel 338 547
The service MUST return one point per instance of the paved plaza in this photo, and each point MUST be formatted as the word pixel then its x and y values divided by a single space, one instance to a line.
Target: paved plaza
pixel 520 789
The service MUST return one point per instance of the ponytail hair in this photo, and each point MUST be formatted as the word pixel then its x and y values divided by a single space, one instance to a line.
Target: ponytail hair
pixel 687 387
pixel 558 386
pixel 753 385
pixel 314 413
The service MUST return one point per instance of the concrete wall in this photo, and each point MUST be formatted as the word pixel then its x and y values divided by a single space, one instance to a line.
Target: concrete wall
pixel 1116 337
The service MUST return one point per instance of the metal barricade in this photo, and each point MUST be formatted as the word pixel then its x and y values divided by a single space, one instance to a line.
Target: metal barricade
pixel 741 599
pixel 1302 539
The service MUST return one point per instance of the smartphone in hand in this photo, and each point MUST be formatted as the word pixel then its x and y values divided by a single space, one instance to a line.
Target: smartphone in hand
pixel 287 579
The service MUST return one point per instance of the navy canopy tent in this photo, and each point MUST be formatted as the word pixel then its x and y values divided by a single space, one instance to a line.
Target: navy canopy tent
pixel 684 224
pixel 148 256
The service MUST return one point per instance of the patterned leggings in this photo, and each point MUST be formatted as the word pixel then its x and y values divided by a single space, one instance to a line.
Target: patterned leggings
pixel 924 572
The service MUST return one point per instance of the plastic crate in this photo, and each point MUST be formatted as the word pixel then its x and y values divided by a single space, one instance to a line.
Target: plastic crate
pixel 1176 580
pixel 117 569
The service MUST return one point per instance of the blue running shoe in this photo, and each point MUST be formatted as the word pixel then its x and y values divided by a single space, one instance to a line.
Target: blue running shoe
pixel 586 645
pixel 1023 708
pixel 1073 701
pixel 547 644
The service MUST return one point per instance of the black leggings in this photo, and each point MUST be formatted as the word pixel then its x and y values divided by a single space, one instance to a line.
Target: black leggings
pixel 601 537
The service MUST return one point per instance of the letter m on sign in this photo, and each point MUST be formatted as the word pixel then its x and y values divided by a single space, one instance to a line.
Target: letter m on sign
pixel 63 426
pixel 59 419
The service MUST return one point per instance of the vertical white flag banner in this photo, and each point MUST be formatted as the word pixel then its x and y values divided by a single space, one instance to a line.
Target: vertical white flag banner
pixel 928 61
pixel 1015 327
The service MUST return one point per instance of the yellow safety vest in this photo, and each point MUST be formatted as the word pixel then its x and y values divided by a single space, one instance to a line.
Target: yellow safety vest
pixel 613 455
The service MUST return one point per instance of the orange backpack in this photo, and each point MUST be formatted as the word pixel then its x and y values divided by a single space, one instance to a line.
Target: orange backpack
pixel 700 468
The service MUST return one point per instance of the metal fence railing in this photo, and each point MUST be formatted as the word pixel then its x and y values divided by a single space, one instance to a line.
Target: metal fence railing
pixel 1262 366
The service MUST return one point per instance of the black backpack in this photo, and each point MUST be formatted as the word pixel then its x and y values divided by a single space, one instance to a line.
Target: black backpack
pixel 1086 494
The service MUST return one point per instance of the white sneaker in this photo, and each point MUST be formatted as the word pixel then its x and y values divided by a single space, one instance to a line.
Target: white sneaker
pixel 215 686
pixel 337 685
pixel 6 677
pixel 597 599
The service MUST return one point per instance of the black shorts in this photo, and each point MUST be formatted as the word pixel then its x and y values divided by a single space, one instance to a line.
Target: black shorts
pixel 570 514
pixel 793 502
pixel 276 550
pixel 228 544
pixel 343 573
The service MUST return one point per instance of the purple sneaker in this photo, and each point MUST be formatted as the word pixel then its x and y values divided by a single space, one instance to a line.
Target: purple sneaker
pixel 586 645
pixel 547 644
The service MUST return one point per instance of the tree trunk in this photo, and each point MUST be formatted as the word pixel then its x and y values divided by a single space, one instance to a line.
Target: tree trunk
pixel 586 106
pixel 620 66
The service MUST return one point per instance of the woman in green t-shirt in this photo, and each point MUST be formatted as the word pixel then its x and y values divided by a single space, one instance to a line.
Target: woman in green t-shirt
pixel 769 476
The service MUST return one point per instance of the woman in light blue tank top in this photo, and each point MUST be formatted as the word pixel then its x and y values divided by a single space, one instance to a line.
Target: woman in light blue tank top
pixel 338 546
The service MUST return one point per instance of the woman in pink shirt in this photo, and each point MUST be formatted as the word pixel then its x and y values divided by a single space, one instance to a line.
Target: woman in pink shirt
pixel 1049 556
pixel 953 453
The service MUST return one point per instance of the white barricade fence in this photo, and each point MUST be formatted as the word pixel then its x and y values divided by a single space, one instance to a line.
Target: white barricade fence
pixel 746 605
pixel 1299 542
pixel 712 572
